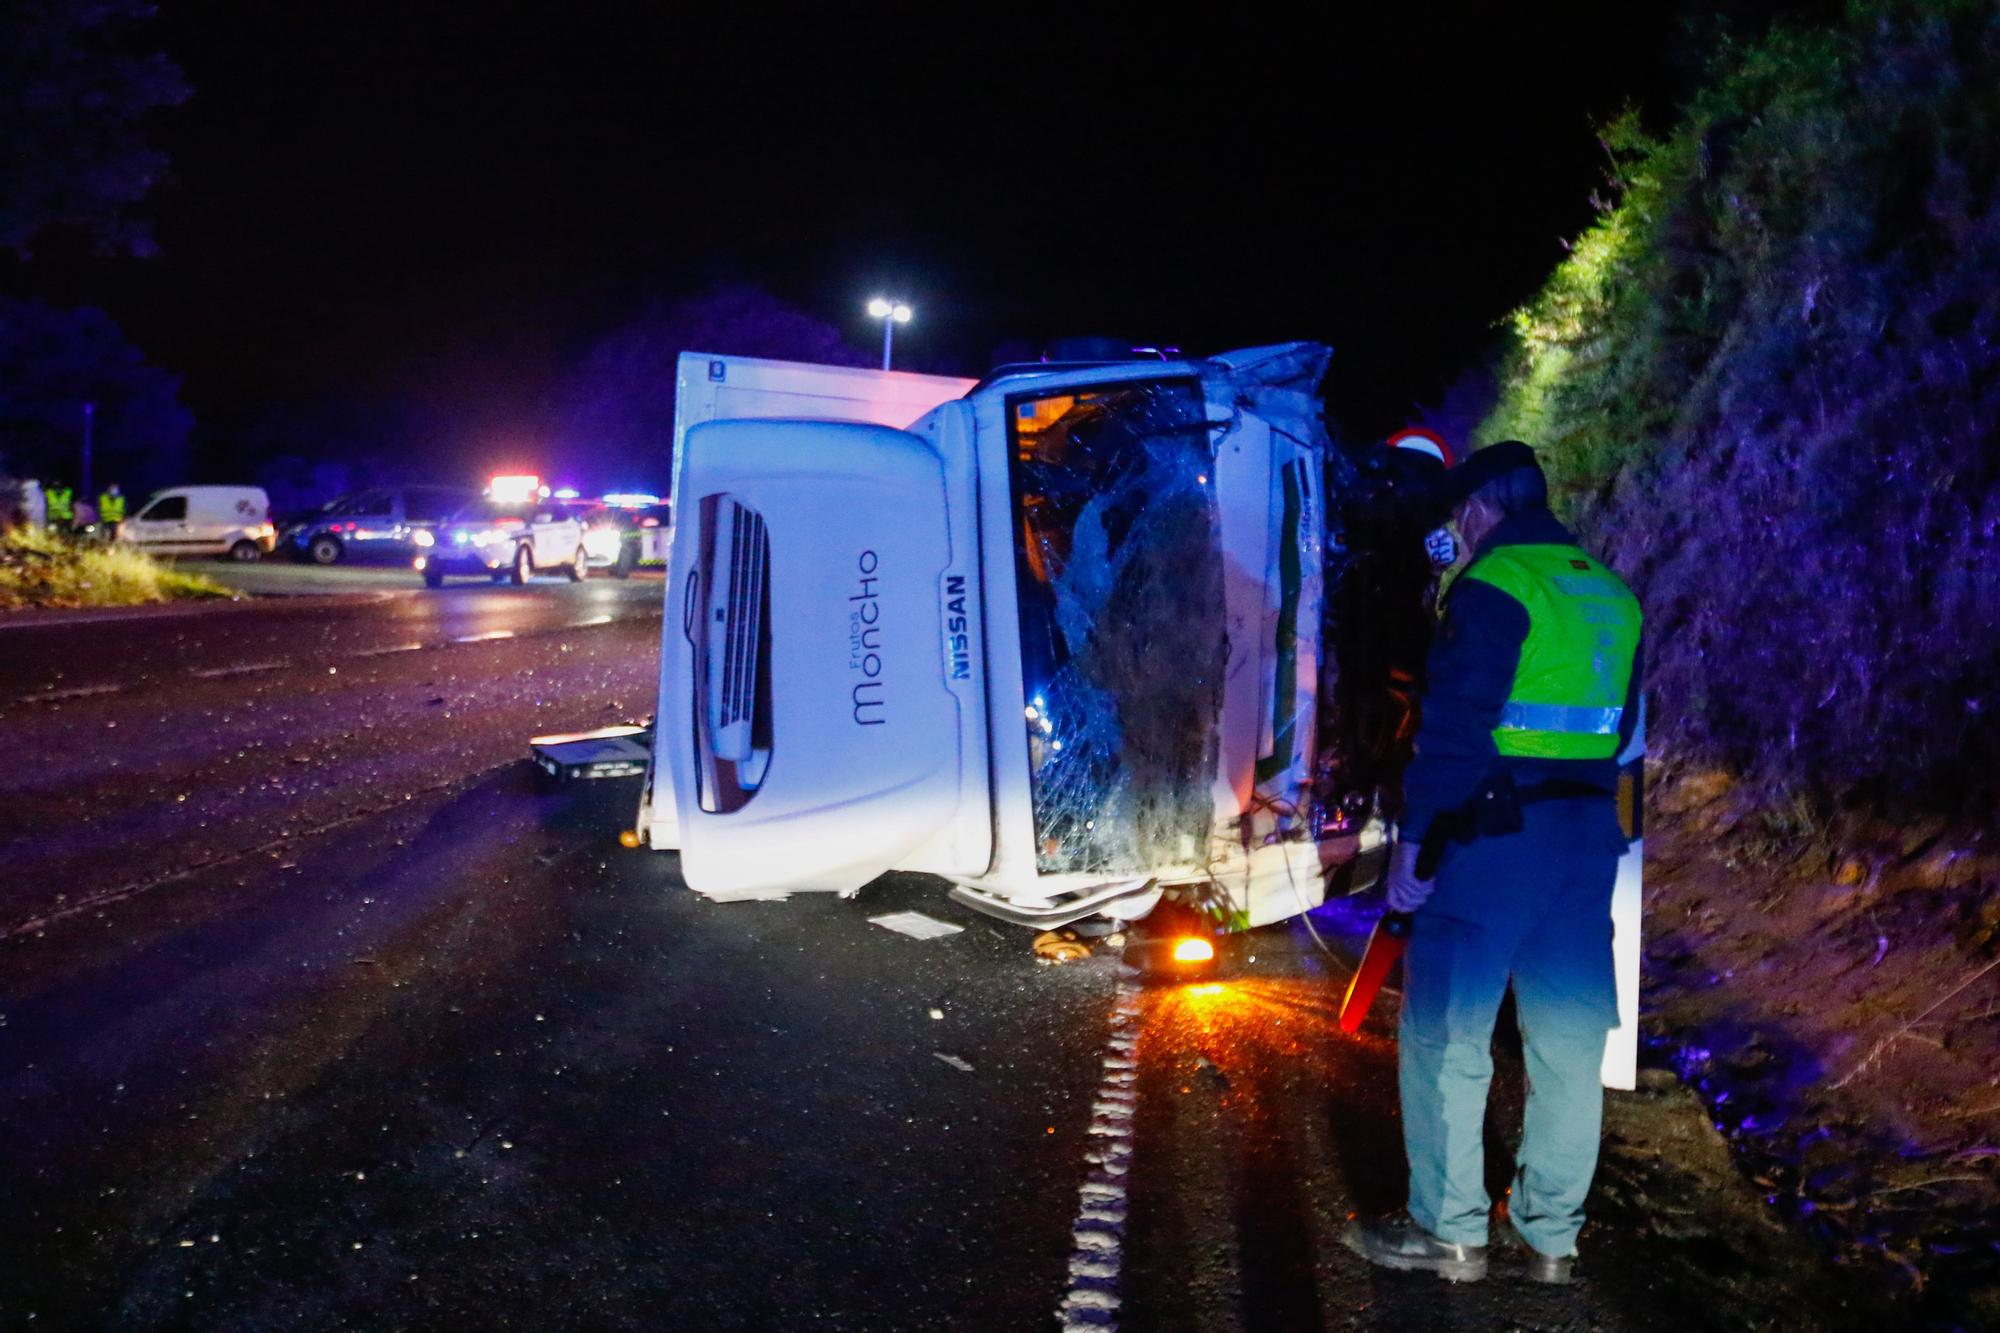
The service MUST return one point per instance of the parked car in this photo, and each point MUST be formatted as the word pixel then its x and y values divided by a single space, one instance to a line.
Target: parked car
pixel 233 521
pixel 622 537
pixel 503 539
pixel 381 523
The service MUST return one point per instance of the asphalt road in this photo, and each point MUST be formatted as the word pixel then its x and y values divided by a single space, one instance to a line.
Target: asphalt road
pixel 316 1012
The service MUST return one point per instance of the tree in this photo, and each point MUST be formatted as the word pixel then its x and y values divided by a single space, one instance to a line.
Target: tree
pixel 615 411
pixel 74 98
pixel 52 362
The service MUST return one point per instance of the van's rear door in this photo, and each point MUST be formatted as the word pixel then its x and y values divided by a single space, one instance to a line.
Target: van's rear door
pixel 804 710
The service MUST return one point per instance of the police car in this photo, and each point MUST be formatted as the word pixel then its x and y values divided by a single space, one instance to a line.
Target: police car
pixel 623 532
pixel 505 535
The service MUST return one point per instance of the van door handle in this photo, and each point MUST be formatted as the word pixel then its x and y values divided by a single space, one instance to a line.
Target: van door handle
pixel 687 606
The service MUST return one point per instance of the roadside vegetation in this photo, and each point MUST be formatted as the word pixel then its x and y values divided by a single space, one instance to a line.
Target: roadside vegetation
pixel 1767 385
pixel 39 569
pixel 1768 382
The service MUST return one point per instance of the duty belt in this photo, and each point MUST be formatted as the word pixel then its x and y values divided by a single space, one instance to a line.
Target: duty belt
pixel 1495 811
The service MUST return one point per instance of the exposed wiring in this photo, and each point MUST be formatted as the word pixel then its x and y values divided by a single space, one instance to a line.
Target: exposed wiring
pixel 1288 812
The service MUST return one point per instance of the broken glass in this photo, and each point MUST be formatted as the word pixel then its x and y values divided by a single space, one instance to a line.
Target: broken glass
pixel 1122 640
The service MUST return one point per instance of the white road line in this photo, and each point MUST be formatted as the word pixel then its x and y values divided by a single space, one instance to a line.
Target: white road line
pixel 483 638
pixel 1090 1305
pixel 73 692
pixel 594 620
pixel 392 648
pixel 211 673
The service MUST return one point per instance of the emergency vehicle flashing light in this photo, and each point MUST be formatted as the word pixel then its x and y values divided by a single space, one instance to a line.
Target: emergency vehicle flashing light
pixel 513 488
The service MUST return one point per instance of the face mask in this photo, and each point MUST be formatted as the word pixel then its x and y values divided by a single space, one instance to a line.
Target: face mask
pixel 1442 547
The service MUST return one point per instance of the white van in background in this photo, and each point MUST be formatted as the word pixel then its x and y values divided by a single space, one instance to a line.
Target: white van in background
pixel 232 521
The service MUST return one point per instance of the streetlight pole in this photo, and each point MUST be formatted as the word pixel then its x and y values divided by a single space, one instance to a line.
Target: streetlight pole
pixel 89 419
pixel 891 313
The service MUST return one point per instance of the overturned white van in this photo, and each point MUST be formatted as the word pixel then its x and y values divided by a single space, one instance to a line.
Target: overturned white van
pixel 1052 636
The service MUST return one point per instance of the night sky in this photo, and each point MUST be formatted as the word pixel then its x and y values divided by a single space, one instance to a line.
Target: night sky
pixel 443 206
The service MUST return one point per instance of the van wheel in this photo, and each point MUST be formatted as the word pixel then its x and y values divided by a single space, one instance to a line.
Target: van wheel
pixel 245 551
pixel 576 566
pixel 433 579
pixel 323 551
pixel 524 564
pixel 628 556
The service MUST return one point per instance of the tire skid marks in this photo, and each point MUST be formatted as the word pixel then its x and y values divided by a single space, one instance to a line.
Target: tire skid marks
pixel 1097 1237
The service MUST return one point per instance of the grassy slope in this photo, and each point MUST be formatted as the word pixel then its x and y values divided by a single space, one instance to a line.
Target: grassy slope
pixel 43 570
pixel 1767 384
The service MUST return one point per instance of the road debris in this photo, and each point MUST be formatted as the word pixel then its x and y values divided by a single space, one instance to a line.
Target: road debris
pixel 915 924
pixel 1060 946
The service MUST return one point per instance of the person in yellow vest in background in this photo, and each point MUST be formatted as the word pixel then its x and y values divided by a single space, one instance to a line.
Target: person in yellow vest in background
pixel 61 505
pixel 111 509
pixel 1505 860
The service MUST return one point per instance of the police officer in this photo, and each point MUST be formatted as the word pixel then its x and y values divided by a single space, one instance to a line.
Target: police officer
pixel 111 509
pixel 1532 691
pixel 62 505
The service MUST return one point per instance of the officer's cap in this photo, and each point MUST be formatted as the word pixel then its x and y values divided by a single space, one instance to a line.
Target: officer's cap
pixel 1484 466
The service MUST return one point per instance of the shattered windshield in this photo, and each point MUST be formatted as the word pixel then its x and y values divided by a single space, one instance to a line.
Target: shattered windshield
pixel 1122 642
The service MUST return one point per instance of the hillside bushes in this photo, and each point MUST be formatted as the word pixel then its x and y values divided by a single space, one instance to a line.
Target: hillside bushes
pixel 1767 385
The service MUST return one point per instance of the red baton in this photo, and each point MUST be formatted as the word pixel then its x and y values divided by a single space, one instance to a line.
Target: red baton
pixel 1385 946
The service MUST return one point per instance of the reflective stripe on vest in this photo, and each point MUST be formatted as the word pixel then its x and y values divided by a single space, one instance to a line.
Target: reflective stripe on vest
pixel 1561 717
pixel 1568 695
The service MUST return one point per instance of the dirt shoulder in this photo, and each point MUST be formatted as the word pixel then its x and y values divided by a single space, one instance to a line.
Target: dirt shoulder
pixel 1840 1030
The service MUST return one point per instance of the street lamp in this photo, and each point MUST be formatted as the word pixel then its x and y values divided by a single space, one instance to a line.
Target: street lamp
pixel 891 313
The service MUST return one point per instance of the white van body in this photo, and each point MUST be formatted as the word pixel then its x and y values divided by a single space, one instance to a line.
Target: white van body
pixel 203 520
pixel 843 685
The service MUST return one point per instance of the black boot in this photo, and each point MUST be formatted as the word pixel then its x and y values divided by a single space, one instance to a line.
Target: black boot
pixel 1401 1244
pixel 1557 1271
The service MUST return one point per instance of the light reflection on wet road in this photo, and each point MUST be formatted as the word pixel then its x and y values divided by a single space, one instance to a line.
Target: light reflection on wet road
pixel 1262 1129
pixel 51 658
